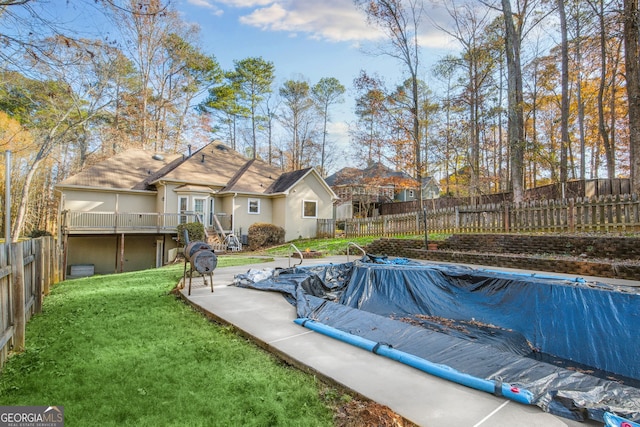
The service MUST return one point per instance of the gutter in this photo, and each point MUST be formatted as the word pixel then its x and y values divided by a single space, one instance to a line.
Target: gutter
pixel 102 189
pixel 233 213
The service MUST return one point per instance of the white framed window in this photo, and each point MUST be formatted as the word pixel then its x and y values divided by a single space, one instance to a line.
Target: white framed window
pixel 254 206
pixel 199 207
pixel 309 209
pixel 410 193
pixel 183 206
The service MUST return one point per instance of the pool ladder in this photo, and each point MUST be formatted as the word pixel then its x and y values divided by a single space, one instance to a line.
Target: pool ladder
pixel 295 248
pixel 364 253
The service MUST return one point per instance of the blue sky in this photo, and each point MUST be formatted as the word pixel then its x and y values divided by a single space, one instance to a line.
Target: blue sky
pixel 311 38
pixel 308 39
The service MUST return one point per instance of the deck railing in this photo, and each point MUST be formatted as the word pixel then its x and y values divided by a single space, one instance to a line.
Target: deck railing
pixel 116 222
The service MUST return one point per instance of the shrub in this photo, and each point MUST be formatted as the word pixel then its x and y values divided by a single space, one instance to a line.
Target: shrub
pixel 39 233
pixel 262 235
pixel 195 231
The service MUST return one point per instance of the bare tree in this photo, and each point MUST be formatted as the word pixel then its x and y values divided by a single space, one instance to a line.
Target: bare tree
pixel 61 106
pixel 564 107
pixel 401 24
pixel 325 93
pixel 515 124
pixel 598 7
pixel 471 31
pixel 296 105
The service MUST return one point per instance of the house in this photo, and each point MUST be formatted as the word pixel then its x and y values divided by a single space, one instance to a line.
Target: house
pixel 362 191
pixel 121 214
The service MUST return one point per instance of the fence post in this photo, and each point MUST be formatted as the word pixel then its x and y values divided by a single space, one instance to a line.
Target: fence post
pixel 506 217
pixel 56 260
pixel 572 216
pixel 17 288
pixel 46 274
pixel 37 263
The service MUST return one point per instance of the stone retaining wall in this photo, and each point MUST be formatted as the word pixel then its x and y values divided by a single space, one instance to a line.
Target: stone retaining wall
pixel 527 252
pixel 591 246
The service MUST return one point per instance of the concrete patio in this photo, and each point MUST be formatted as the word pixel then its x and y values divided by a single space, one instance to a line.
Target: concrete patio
pixel 267 319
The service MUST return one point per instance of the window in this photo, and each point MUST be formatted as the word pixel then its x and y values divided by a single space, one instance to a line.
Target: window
pixel 309 209
pixel 183 206
pixel 254 206
pixel 199 205
pixel 410 193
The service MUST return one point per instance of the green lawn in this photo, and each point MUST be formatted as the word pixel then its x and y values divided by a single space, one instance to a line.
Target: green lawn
pixel 122 350
pixel 338 246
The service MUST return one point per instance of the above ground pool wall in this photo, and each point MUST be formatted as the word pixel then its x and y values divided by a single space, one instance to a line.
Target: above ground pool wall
pixel 588 323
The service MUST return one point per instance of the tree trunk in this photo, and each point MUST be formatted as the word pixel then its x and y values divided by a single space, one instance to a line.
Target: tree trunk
pixel 416 135
pixel 24 199
pixel 631 54
pixel 515 126
pixel 564 102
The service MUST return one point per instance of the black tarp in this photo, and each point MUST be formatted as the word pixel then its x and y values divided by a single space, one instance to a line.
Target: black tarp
pixel 573 344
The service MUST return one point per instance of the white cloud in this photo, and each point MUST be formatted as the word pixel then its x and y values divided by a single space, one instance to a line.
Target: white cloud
pixel 207 4
pixel 201 3
pixel 333 20
pixel 245 3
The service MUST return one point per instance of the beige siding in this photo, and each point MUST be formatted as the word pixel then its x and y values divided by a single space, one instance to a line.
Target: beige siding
pixel 243 219
pixel 310 188
pixel 139 253
pixel 160 199
pixel 171 199
pixel 104 201
pixel 280 211
pixel 225 205
pixel 97 250
pixel 103 252
pixel 89 201
pixel 137 203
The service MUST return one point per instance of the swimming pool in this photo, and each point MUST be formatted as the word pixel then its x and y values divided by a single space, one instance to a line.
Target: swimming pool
pixel 569 346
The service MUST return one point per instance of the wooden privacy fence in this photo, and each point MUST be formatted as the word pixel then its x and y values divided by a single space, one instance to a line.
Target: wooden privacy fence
pixel 27 269
pixel 598 214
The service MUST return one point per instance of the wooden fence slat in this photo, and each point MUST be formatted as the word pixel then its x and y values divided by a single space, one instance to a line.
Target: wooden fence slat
pixel 18 296
pixel 21 288
pixel 598 213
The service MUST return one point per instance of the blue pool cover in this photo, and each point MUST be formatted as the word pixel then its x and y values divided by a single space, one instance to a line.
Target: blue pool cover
pixel 574 345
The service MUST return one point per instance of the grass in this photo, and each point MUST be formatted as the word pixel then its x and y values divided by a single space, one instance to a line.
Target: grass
pixel 121 350
pixel 338 246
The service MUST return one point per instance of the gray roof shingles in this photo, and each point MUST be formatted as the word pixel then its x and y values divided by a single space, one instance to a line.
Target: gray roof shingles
pixel 214 165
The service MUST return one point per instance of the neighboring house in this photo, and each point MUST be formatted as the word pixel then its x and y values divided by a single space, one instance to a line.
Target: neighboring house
pixel 430 190
pixel 122 214
pixel 362 191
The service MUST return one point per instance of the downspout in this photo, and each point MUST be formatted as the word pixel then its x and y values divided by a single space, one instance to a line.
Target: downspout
pixel 164 197
pixel 115 216
pixel 233 213
pixel 115 231
pixel 7 202
pixel 63 241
